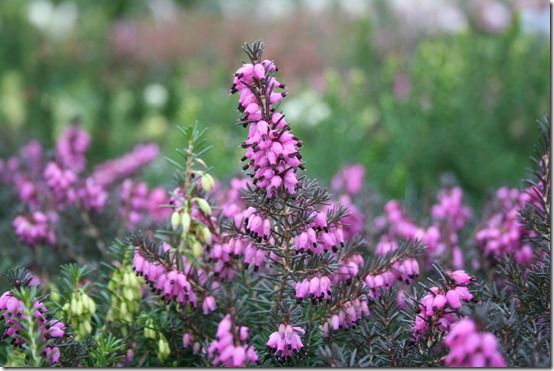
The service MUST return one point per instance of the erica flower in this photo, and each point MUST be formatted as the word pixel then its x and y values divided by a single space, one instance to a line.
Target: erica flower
pixel 348 269
pixel 273 153
pixel 110 171
pixel 503 233
pixel 350 179
pixel 209 304
pixel 230 348
pixel 286 342
pixel 35 229
pixel 171 284
pixel 92 195
pixel 12 312
pixel 71 148
pixel 439 305
pixel 61 182
pixel 318 288
pixel 348 315
pixel 470 348
pixel 451 209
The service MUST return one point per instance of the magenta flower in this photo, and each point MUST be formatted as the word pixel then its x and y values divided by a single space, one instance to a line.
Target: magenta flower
pixel 156 199
pixel 350 179
pixel 348 315
pixel 318 288
pixel 209 304
pixel 230 349
pixel 12 311
pixel 108 172
pixel 134 201
pixel 92 195
pixel 61 182
pixel 35 229
pixel 171 284
pixel 286 342
pixel 72 147
pixel 273 153
pixel 469 348
pixel 439 306
pixel 503 233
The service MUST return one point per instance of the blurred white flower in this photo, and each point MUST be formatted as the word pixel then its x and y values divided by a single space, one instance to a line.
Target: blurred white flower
pixel 163 10
pixel 495 16
pixel 56 21
pixel 155 95
pixel 306 108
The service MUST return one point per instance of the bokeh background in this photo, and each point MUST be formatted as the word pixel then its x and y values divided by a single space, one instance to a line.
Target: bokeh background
pixel 413 89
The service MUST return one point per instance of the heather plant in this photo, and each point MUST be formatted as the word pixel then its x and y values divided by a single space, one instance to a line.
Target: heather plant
pixel 58 205
pixel 273 270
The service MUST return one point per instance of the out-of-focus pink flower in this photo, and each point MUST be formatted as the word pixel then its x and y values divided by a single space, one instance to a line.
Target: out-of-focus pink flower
pixel 61 182
pixel 229 350
pixel 469 348
pixel 402 86
pixel 350 179
pixel 156 199
pixel 72 147
pixel 110 171
pixel 92 195
pixel 35 229
pixel 209 304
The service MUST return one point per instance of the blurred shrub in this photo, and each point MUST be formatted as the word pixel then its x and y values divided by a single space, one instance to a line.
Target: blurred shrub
pixel 445 103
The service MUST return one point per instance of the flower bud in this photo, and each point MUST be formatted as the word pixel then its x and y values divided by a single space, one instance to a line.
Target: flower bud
pixel 185 223
pixel 207 182
pixel 175 220
pixel 196 249
pixel 206 235
pixel 204 206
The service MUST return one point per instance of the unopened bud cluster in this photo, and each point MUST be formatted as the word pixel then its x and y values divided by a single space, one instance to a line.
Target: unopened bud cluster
pixel 125 289
pixel 79 311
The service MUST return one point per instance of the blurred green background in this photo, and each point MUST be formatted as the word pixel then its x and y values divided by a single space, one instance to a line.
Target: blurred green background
pixel 413 89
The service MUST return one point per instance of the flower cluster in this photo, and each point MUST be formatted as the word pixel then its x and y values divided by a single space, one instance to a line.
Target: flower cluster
pixel 349 179
pixel 439 306
pixel 36 228
pixel 319 235
pixel 72 148
pixel 138 202
pixel 349 267
pixel 471 348
pixel 61 182
pixel 450 208
pixel 402 270
pixel 230 347
pixel 273 151
pixel 318 288
pixel 110 171
pixel 286 342
pixel 13 313
pixel 47 188
pixel 171 284
pixel 348 315
pixel 449 215
pixel 503 233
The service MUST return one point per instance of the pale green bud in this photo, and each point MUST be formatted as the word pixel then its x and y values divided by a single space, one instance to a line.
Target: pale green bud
pixel 206 235
pixel 185 223
pixel 196 248
pixel 207 182
pixel 175 220
pixel 204 206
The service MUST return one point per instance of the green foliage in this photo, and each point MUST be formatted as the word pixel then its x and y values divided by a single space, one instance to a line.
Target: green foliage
pixel 472 96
